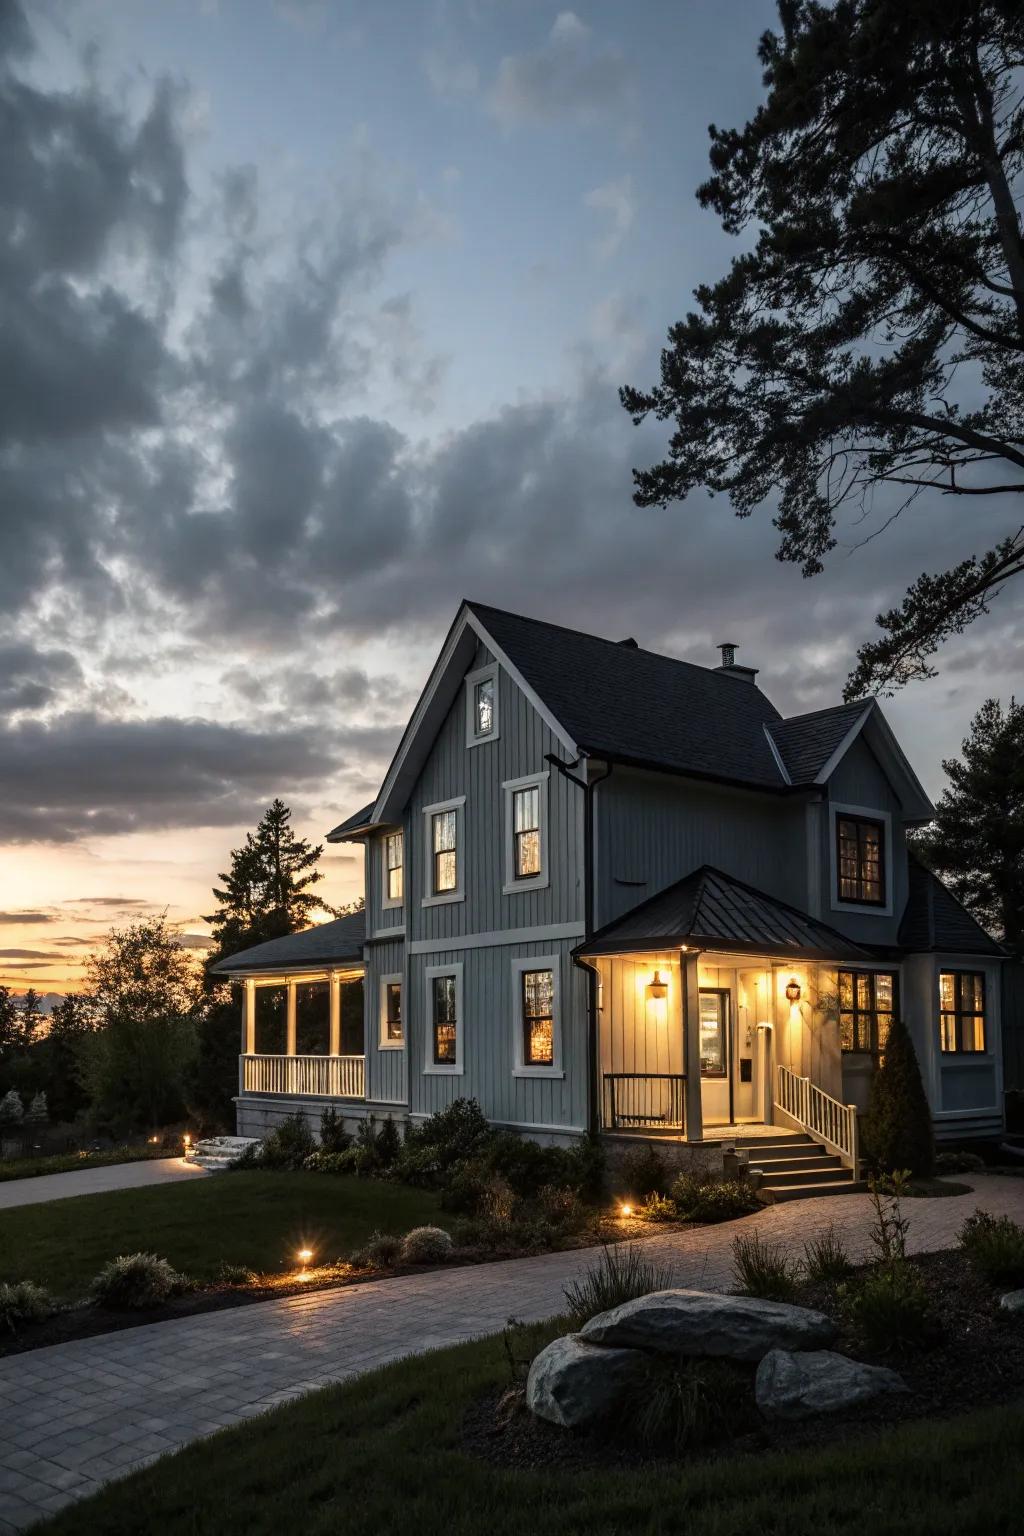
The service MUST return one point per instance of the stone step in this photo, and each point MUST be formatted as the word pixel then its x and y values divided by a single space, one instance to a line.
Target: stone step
pixel 801 1166
pixel 217 1153
pixel 801 1153
pixel 826 1173
pixel 847 1186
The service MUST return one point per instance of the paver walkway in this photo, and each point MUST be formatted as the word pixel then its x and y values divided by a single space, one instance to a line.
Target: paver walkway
pixel 75 1415
pixel 96 1181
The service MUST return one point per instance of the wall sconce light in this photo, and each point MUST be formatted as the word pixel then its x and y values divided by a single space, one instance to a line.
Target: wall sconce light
pixel 793 990
pixel 657 988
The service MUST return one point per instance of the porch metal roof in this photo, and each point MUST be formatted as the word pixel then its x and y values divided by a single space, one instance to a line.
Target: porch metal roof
pixel 326 944
pixel 709 909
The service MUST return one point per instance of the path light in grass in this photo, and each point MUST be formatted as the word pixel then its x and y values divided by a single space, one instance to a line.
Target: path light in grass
pixel 304 1256
pixel 187 1142
pixel 627 1210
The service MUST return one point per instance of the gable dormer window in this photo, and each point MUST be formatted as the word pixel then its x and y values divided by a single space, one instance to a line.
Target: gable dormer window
pixel 482 705
pixel 860 860
pixel 394 869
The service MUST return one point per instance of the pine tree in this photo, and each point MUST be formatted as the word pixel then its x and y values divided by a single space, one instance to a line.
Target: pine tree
pixel 38 1112
pixel 12 1111
pixel 10 1025
pixel 976 842
pixel 71 1022
pixel 31 1017
pixel 267 892
pixel 897 1127
pixel 872 333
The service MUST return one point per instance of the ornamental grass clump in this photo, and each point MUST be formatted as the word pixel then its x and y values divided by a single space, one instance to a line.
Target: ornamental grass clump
pixel 24 1302
pixel 383 1251
pixel 134 1281
pixel 426 1245
pixel 621 1274
pixel 763 1269
pixel 994 1246
pixel 680 1405
pixel 826 1259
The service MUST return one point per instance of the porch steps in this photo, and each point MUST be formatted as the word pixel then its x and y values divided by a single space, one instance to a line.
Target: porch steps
pixel 218 1153
pixel 795 1167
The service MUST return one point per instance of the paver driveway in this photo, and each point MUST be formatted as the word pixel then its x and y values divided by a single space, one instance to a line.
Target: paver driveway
pixel 97 1181
pixel 75 1415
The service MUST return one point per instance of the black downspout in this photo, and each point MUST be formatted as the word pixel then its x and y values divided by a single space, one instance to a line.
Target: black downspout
pixel 589 925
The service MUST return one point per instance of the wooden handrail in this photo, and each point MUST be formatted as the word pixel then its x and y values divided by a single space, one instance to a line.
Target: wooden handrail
pixel 819 1114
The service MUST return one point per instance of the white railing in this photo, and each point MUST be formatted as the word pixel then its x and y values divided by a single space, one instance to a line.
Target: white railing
pixel 818 1113
pixel 334 1077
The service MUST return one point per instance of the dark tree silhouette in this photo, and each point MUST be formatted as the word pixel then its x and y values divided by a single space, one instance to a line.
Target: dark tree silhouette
pixel 898 1123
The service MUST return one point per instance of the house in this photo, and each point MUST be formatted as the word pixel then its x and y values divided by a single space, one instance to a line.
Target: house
pixel 608 890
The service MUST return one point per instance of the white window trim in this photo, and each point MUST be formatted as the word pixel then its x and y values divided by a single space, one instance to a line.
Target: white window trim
pixel 430 1067
pixel 389 903
pixel 550 963
pixel 383 1043
pixel 481 675
pixel 868 908
pixel 429 899
pixel 539 882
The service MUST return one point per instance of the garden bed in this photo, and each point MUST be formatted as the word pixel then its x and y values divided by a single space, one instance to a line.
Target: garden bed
pixel 975 1360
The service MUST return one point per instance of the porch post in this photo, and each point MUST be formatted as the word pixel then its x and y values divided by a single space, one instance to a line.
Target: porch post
pixel 334 982
pixel 691 1040
pixel 249 1017
pixel 290 1027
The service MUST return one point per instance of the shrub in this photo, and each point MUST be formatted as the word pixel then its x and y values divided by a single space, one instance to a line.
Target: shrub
pixel 383 1250
pixel 622 1274
pixel 703 1199
pixel 658 1208
pixel 898 1123
pixel 235 1274
pixel 389 1143
pixel 24 1302
pixel 888 1309
pixel 426 1245
pixel 136 1280
pixel 994 1246
pixel 334 1162
pixel 763 1269
pixel 333 1135
pixel 288 1146
pixel 12 1110
pixel 958 1162
pixel 586 1167
pixel 888 1231
pixel 644 1173
pixel 679 1405
pixel 825 1257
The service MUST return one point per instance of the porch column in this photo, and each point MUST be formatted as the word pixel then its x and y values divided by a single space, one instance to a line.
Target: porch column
pixel 249 1017
pixel 290 1027
pixel 690 991
pixel 334 983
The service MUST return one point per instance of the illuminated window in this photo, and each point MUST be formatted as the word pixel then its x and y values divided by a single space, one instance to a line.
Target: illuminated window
pixel 526 832
pixel 443 834
pixel 867 1002
pixel 538 1002
pixel 962 1011
pixel 860 860
pixel 394 858
pixel 713 1026
pixel 445 1021
pixel 393 1032
pixel 483 707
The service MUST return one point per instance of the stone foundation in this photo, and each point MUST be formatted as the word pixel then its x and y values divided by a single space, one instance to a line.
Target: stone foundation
pixel 259 1114
pixel 702 1157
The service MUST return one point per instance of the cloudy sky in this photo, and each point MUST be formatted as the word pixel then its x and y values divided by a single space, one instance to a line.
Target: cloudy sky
pixel 313 314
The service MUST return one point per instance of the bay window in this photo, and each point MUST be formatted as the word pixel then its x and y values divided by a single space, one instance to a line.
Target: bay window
pixel 962 1011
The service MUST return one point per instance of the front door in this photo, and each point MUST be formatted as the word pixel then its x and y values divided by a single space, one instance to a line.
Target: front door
pixel 716 1054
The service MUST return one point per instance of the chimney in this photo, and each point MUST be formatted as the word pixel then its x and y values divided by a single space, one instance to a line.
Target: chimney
pixel 729 666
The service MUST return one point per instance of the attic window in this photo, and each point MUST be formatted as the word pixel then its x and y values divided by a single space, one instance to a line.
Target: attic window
pixel 482 706
pixel 860 860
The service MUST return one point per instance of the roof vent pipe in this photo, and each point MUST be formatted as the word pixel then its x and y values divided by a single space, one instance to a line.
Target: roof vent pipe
pixel 728 651
pixel 731 667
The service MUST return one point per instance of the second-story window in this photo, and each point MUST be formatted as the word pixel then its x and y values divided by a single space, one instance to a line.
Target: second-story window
pixel 860 860
pixel 394 860
pixel 526 832
pixel 443 833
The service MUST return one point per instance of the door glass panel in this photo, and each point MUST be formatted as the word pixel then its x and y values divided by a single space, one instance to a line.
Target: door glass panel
pixel 712 1034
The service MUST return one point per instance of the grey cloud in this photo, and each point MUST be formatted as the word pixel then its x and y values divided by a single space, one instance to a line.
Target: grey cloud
pixel 30 954
pixel 569 76
pixel 28 917
pixel 80 775
pixel 31 678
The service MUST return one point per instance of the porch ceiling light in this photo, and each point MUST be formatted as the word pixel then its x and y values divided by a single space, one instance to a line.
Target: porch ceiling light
pixel 657 988
pixel 793 990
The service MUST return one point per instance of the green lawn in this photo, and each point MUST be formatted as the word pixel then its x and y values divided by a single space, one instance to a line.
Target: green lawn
pixel 70 1162
pixel 379 1455
pixel 257 1219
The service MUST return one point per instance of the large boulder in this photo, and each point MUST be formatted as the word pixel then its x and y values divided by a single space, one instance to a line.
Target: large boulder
pixel 800 1386
pixel 700 1324
pixel 572 1383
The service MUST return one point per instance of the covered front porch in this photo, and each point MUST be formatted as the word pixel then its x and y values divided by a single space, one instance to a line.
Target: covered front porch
pixel 718 1019
pixel 304 1034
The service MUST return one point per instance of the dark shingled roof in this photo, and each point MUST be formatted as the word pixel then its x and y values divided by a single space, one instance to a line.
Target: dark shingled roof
pixel 622 702
pixel 933 919
pixel 806 742
pixel 326 944
pixel 712 910
pixel 354 823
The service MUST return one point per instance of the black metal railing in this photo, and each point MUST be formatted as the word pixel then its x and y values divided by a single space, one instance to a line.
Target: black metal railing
pixel 644 1101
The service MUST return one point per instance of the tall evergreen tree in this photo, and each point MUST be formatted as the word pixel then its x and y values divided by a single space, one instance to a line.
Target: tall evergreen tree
pixel 976 842
pixel 873 336
pixel 898 1122
pixel 10 1026
pixel 32 1018
pixel 71 1023
pixel 267 892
